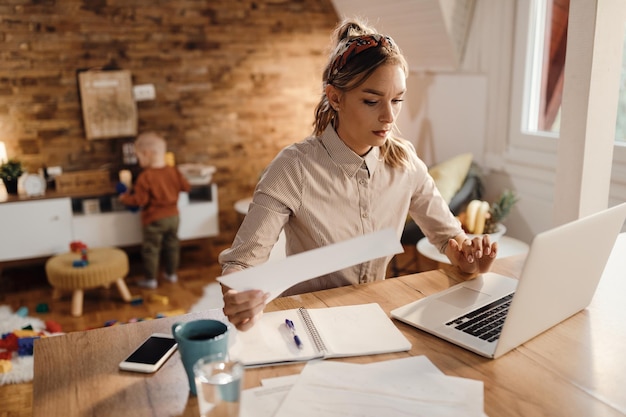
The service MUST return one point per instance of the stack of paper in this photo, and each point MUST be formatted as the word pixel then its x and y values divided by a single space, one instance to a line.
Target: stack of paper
pixel 402 387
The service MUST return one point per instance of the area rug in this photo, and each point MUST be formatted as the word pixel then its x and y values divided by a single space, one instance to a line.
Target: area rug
pixel 211 298
pixel 21 366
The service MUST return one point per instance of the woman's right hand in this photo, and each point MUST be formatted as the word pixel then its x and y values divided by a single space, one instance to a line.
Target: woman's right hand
pixel 244 308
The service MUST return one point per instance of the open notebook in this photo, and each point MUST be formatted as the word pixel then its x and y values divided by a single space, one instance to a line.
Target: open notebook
pixel 331 332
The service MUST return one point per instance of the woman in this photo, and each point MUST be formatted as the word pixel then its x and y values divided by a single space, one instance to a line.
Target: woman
pixel 351 177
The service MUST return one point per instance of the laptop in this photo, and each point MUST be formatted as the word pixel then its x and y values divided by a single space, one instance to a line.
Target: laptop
pixel 559 277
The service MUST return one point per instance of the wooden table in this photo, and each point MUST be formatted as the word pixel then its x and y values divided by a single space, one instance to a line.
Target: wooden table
pixel 574 369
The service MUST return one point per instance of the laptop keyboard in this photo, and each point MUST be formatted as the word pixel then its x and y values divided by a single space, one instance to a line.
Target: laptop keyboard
pixel 485 322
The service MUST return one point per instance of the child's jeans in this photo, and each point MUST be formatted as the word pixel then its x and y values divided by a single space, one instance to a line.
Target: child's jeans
pixel 161 234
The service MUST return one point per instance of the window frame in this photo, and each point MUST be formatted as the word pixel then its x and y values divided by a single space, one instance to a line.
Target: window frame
pixel 523 72
pixel 524 144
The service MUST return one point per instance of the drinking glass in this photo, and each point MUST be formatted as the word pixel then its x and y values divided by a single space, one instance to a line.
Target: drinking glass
pixel 218 383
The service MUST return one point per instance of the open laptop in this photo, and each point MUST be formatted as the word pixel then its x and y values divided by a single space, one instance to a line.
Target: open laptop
pixel 559 278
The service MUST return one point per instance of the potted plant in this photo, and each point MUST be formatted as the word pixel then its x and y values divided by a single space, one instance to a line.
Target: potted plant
pixel 481 217
pixel 10 172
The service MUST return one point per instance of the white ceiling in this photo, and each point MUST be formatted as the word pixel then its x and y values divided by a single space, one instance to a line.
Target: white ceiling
pixel 431 33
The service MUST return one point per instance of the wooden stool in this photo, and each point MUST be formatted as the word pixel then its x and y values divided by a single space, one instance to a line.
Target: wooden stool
pixel 106 265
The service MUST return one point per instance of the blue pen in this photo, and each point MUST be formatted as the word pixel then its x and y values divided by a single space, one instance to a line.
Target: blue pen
pixel 296 338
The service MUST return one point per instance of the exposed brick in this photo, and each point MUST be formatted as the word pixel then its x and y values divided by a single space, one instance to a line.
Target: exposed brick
pixel 235 80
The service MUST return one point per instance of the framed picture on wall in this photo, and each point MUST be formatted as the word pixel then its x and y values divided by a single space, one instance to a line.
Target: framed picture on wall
pixel 109 108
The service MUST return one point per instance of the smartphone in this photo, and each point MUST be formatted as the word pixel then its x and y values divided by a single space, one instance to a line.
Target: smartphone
pixel 151 354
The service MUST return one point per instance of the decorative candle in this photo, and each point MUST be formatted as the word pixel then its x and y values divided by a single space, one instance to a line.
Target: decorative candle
pixel 3 153
pixel 170 159
pixel 126 178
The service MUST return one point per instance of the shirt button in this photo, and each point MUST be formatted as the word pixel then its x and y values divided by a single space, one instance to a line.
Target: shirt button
pixel 365 215
pixel 362 182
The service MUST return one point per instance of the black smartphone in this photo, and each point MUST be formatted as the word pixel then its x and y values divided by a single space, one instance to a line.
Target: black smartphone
pixel 151 354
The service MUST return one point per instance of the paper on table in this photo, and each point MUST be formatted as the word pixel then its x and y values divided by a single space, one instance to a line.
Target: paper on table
pixel 337 388
pixel 403 387
pixel 264 401
pixel 415 365
pixel 276 277
pixel 279 381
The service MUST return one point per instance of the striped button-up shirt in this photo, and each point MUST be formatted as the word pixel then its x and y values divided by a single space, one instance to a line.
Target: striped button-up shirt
pixel 321 192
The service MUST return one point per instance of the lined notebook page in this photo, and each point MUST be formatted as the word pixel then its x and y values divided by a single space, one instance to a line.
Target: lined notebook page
pixel 353 330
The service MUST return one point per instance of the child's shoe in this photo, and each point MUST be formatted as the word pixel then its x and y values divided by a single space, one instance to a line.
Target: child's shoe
pixel 150 284
pixel 171 278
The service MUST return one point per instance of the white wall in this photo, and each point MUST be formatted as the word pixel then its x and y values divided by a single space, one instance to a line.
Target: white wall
pixel 468 110
pixel 477 109
pixel 444 123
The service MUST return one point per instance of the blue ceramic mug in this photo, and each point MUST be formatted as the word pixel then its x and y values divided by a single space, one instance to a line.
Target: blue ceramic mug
pixel 197 339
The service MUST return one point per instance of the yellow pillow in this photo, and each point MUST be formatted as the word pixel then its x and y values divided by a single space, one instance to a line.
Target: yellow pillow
pixel 449 175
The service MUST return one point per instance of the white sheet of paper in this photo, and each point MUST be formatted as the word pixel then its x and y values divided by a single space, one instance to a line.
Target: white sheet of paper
pixel 278 276
pixel 416 365
pixel 279 381
pixel 264 401
pixel 330 388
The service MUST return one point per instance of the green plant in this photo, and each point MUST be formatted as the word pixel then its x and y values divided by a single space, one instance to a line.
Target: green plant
pixel 500 209
pixel 11 170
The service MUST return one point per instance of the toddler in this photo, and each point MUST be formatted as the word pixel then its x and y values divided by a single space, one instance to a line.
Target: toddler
pixel 156 192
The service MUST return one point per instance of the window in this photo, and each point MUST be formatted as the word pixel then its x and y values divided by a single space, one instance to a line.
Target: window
pixel 547 44
pixel 620 128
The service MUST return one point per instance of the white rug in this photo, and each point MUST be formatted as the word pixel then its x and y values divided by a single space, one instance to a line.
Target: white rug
pixel 212 298
pixel 22 366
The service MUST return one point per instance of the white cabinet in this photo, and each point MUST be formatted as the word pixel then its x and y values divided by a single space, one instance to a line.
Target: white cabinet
pixel 37 228
pixel 114 228
pixel 198 219
pixel 44 227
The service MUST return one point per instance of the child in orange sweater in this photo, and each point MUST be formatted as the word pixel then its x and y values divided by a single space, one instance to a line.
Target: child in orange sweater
pixel 156 192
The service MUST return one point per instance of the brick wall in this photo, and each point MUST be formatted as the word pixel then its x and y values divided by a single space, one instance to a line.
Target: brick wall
pixel 236 80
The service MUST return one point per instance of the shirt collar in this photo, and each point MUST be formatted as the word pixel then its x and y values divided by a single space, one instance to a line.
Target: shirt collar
pixel 345 157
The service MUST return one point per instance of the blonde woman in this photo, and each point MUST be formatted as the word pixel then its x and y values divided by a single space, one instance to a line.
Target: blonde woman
pixel 352 176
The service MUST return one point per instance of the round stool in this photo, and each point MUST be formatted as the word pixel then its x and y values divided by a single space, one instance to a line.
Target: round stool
pixel 106 265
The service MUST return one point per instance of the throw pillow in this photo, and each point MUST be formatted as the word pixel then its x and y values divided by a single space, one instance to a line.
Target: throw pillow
pixel 449 175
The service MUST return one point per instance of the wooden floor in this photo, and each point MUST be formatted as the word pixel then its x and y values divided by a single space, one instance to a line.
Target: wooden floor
pixel 26 286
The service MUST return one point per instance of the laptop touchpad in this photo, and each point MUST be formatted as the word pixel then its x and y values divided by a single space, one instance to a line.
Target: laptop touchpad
pixel 463 297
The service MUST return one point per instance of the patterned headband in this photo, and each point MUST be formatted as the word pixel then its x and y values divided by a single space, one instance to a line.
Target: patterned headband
pixel 354 47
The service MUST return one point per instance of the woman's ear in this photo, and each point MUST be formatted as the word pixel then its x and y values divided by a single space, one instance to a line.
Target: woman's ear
pixel 333 95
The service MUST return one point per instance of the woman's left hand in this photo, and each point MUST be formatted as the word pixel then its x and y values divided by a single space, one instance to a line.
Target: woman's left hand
pixel 472 256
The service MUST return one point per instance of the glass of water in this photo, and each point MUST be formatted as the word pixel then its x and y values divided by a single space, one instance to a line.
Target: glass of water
pixel 218 383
